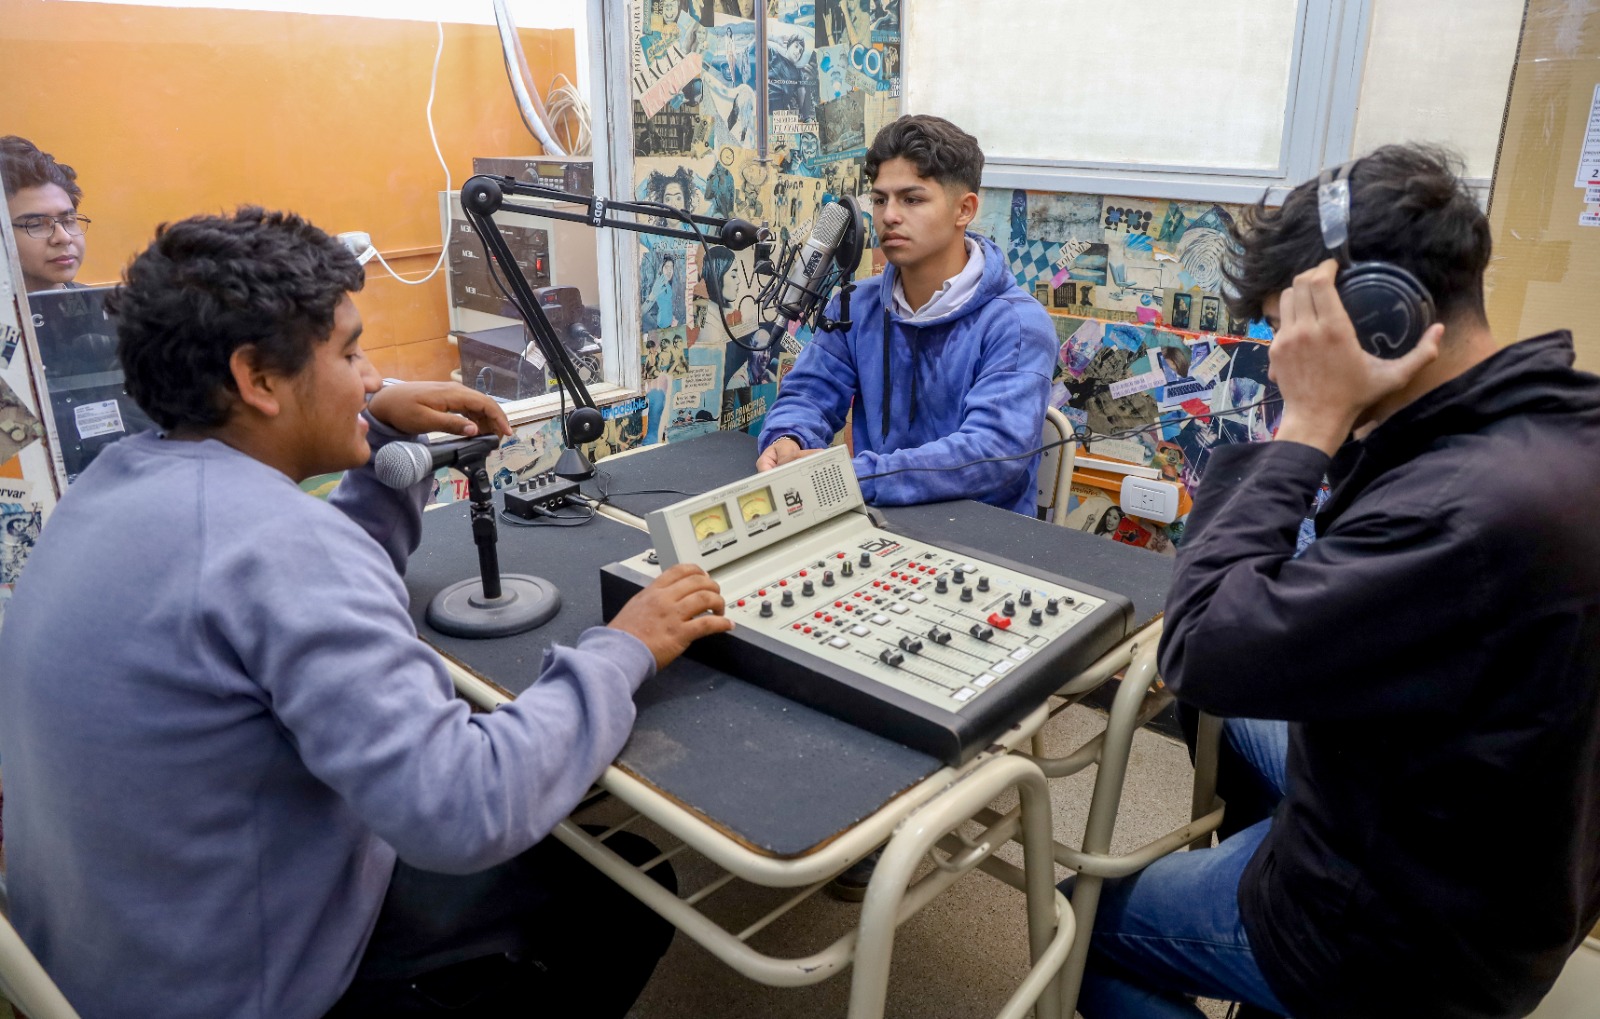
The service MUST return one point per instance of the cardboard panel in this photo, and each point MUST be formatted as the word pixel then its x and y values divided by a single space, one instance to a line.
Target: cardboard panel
pixel 1546 271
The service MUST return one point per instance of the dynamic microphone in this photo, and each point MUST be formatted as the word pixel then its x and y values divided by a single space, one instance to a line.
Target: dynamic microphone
pixel 403 464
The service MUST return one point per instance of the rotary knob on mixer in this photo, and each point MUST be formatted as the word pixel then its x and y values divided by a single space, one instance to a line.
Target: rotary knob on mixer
pixel 766 610
pixel 788 599
pixel 827 577
pixel 808 589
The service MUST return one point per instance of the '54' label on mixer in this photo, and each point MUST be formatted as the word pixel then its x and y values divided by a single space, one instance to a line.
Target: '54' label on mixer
pixel 879 546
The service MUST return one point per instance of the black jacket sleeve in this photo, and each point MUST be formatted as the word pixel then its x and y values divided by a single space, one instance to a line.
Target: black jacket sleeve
pixel 1360 625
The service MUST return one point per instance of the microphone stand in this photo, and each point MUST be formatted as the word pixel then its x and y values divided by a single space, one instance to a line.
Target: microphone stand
pixel 490 605
pixel 493 605
pixel 484 195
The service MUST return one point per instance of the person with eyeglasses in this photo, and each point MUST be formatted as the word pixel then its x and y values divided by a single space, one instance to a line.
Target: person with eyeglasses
pixel 42 199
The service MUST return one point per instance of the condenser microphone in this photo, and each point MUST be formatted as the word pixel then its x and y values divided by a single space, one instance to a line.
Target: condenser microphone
pixel 808 271
pixel 403 464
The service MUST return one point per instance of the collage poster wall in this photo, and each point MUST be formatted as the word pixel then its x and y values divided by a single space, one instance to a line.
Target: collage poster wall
pixel 832 81
pixel 1151 362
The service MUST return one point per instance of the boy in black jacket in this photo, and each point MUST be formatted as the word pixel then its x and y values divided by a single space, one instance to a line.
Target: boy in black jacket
pixel 1435 652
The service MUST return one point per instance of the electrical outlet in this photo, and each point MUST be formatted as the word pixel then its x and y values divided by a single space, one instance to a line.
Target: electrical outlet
pixel 1149 499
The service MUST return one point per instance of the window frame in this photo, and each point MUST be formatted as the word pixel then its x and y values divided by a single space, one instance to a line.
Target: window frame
pixel 616 255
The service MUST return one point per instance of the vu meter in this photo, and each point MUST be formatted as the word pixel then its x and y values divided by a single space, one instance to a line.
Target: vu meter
pixel 712 528
pixel 757 510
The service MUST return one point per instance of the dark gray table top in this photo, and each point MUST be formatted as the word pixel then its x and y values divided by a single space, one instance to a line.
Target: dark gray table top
pixel 778 777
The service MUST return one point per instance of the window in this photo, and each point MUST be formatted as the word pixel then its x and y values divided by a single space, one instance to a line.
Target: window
pixel 1222 101
pixel 1411 91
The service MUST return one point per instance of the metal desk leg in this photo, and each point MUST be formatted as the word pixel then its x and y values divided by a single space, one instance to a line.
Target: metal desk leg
pixel 1049 941
pixel 1107 796
pixel 1207 745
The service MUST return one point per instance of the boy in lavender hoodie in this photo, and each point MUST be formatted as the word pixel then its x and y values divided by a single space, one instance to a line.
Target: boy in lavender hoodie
pixel 239 785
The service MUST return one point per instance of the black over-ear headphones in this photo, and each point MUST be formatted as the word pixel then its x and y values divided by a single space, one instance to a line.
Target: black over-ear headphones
pixel 1389 306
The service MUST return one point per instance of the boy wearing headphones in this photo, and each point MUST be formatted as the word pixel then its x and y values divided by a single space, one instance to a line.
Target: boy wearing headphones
pixel 1435 652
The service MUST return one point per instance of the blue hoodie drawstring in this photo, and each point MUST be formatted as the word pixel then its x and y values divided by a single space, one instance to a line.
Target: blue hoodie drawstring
pixel 888 372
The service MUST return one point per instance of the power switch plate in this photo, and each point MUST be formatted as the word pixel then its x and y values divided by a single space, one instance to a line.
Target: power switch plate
pixel 1149 499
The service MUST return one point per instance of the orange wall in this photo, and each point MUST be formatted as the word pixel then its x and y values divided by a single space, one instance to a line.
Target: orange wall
pixel 170 112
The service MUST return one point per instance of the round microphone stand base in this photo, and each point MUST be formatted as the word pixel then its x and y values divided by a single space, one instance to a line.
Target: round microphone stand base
pixel 525 602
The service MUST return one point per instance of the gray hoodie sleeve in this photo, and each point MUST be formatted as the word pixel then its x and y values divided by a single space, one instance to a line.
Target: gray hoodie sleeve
pixel 317 619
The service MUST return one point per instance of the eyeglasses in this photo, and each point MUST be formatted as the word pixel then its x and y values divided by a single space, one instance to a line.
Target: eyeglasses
pixel 42 227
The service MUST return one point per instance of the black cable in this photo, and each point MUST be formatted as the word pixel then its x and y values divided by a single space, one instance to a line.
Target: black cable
pixel 1080 434
pixel 605 496
pixel 705 253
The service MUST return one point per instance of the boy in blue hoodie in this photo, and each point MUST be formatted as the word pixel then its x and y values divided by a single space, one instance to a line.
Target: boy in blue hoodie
pixel 948 361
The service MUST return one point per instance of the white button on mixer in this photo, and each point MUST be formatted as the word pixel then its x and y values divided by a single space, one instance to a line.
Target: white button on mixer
pixel 838 642
pixel 1021 654
pixel 916 599
pixel 984 680
pixel 1003 667
pixel 879 620
pixel 899 609
pixel 859 631
pixel 965 694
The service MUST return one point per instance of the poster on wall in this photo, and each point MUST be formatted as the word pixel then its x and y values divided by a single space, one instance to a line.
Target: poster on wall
pixel 24 501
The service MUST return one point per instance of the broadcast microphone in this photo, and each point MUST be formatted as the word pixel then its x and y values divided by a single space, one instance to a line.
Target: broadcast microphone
pixel 403 464
pixel 812 262
pixel 809 269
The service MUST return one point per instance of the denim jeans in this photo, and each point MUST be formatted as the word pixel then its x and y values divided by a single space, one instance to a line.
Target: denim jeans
pixel 1172 931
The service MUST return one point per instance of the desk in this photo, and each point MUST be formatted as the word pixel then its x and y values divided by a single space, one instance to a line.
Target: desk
pixel 798 796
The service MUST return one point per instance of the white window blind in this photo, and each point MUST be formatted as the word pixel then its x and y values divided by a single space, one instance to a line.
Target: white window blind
pixel 1155 83
pixel 1439 71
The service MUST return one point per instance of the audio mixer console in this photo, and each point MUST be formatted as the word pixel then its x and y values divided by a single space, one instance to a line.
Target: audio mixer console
pixel 932 646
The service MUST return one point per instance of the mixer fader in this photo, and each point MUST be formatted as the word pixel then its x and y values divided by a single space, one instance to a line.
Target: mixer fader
pixel 935 647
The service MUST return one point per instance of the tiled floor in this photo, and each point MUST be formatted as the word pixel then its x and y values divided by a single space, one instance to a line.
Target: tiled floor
pixel 963 955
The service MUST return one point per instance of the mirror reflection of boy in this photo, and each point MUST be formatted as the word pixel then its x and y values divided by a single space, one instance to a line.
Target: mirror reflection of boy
pixel 42 199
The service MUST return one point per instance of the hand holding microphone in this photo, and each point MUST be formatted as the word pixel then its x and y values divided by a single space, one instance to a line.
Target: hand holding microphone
pixel 421 407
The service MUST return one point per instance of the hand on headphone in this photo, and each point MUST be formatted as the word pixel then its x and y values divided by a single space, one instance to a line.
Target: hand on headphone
pixel 1328 381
